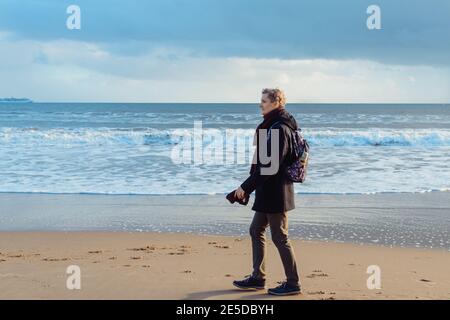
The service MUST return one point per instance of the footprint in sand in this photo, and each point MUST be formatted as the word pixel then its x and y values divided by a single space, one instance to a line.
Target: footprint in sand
pixel 55 259
pixel 182 250
pixel 166 248
pixel 315 292
pixel 20 255
pixel 95 251
pixel 427 281
pixel 135 258
pixel 222 247
pixel 314 275
pixel 217 245
pixel 147 248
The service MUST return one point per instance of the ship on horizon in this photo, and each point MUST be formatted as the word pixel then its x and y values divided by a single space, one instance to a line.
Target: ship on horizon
pixel 15 100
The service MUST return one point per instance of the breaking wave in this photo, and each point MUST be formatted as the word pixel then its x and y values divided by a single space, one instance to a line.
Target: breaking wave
pixel 329 137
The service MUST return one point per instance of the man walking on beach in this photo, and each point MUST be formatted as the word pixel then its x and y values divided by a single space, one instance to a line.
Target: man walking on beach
pixel 274 194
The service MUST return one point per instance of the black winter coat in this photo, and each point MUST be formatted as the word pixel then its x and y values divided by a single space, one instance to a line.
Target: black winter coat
pixel 274 193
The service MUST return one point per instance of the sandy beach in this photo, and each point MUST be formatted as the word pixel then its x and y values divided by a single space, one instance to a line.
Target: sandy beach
pixel 120 265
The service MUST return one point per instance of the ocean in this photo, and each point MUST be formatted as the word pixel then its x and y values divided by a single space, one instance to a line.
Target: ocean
pixel 121 148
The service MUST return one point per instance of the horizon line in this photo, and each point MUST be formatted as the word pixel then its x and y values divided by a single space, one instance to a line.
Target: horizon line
pixel 188 102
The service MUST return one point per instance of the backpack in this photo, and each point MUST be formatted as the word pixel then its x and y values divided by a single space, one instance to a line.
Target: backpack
pixel 296 170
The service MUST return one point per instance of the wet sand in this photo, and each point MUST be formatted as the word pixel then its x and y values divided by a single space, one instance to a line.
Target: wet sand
pixel 399 219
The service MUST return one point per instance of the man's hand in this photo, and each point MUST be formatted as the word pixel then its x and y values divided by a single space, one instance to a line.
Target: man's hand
pixel 239 193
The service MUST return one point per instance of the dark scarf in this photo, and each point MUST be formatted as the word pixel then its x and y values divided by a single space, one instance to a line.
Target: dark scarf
pixel 269 119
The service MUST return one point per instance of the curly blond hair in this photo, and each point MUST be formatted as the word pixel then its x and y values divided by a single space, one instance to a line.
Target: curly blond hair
pixel 276 95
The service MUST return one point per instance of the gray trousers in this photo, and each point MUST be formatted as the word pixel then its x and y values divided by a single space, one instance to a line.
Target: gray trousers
pixel 279 231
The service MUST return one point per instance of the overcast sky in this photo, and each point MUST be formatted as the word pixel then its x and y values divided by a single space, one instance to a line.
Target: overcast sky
pixel 225 51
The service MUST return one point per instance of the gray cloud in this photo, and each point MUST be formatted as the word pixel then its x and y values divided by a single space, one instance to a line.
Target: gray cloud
pixel 413 32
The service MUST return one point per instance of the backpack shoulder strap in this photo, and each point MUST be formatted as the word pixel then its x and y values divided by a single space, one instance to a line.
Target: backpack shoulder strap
pixel 268 131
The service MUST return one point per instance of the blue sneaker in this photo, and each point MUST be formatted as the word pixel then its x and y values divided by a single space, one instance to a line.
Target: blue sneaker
pixel 250 283
pixel 285 289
